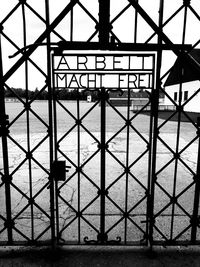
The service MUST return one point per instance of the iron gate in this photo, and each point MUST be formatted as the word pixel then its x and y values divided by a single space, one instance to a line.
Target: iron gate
pixel 160 205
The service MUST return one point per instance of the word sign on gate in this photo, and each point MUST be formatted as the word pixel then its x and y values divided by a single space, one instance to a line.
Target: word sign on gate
pixel 131 71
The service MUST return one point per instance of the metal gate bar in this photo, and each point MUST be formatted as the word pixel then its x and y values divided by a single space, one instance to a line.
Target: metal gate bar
pixel 50 129
pixel 6 179
pixel 195 216
pixel 102 236
pixel 155 103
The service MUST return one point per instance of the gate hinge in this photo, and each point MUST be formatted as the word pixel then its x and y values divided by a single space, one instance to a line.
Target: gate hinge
pixel 4 122
pixel 59 170
pixel 4 131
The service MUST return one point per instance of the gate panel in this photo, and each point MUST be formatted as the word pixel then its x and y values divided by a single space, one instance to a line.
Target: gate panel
pixel 104 197
pixel 77 200
pixel 175 185
pixel 176 205
pixel 29 171
pixel 26 130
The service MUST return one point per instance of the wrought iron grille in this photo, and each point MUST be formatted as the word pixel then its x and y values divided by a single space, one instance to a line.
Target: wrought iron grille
pixel 157 182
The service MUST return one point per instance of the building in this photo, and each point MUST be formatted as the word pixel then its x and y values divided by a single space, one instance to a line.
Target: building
pixel 139 98
pixel 183 83
pixel 11 99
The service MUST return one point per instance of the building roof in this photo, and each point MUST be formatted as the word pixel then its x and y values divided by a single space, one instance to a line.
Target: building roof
pixel 183 71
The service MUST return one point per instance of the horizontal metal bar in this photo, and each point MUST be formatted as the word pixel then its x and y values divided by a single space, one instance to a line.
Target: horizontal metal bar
pixel 117 46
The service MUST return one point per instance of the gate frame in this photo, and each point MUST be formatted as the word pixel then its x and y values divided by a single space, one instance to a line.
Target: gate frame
pixel 104 44
pixel 102 236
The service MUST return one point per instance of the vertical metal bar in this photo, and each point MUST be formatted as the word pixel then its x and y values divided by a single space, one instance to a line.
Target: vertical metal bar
pixel 184 24
pixel 150 155
pixel 50 129
pixel 28 123
pixel 71 24
pixel 176 156
pixel 127 164
pixel 104 22
pixel 178 131
pixel 194 219
pixel 7 178
pixel 56 146
pixel 154 113
pixel 102 237
pixel 78 164
pixel 136 24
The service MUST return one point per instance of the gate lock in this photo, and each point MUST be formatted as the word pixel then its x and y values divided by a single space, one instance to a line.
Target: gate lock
pixel 59 170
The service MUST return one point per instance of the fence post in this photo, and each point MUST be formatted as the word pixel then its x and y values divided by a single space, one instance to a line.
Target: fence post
pixel 195 219
pixel 3 134
pixel 104 22
pixel 154 113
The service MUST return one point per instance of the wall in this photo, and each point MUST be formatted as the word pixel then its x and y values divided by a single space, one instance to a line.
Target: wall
pixel 194 104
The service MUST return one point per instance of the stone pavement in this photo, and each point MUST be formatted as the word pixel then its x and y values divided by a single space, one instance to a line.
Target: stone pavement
pixel 100 257
pixel 117 191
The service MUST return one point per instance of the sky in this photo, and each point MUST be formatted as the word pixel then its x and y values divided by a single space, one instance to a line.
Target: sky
pixel 84 27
